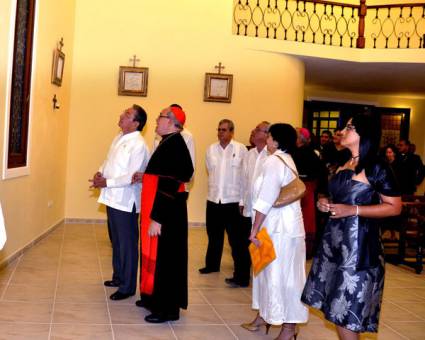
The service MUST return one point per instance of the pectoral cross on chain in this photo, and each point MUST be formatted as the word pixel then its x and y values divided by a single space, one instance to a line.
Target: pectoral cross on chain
pixel 134 60
pixel 219 67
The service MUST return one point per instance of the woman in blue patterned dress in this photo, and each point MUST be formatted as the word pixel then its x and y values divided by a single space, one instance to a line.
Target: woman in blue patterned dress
pixel 346 279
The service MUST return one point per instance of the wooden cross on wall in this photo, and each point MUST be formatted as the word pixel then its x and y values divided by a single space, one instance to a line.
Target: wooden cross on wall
pixel 219 67
pixel 134 60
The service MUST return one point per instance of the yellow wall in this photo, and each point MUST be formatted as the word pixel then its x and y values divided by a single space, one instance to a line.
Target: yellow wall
pixel 24 199
pixel 179 41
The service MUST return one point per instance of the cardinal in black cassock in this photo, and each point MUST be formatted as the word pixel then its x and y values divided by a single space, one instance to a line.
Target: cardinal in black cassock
pixel 164 226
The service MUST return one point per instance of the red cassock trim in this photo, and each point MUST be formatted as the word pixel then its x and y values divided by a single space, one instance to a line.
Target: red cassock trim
pixel 149 244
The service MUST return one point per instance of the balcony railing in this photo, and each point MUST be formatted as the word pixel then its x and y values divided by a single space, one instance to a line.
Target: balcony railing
pixel 332 23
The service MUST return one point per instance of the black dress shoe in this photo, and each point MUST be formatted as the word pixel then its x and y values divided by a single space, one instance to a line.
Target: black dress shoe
pixel 143 304
pixel 206 270
pixel 161 317
pixel 233 283
pixel 119 296
pixel 111 283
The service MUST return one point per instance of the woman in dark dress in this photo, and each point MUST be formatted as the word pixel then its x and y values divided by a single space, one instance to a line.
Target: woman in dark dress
pixel 346 279
pixel 390 156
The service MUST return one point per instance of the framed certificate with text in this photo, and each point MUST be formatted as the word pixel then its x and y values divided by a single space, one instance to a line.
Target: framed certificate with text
pixel 133 81
pixel 57 67
pixel 218 87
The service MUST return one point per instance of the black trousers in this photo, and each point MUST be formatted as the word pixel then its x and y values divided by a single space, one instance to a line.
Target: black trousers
pixel 221 217
pixel 124 231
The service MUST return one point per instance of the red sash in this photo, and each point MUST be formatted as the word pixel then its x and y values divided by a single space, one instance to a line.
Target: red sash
pixel 149 244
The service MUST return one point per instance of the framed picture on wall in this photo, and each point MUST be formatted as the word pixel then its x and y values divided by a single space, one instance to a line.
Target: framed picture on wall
pixel 57 67
pixel 218 87
pixel 133 81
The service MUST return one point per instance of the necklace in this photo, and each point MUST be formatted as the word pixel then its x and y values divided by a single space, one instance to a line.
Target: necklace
pixel 353 159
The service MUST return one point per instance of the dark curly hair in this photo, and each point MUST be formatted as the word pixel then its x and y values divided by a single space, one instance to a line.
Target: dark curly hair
pixel 285 136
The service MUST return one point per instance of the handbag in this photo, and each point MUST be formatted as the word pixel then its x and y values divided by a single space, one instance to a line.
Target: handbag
pixel 291 192
pixel 264 254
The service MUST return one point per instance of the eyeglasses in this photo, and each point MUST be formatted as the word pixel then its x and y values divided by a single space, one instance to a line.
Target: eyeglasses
pixel 222 130
pixel 350 127
pixel 260 130
pixel 161 116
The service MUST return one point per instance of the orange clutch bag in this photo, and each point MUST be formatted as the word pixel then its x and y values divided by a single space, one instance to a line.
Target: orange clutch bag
pixel 264 254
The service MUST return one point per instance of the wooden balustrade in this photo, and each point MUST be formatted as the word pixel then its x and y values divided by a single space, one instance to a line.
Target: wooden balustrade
pixel 332 23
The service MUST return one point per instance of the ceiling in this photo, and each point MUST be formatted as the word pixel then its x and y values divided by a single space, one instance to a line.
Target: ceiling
pixel 400 78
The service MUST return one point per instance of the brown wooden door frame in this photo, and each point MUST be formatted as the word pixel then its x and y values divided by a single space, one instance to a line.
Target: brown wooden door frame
pixel 20 98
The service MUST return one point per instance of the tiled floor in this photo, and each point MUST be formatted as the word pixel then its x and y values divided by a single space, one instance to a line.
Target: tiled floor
pixel 55 291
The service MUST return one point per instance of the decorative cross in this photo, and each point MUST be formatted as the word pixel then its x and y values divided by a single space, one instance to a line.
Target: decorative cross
pixel 61 44
pixel 134 60
pixel 219 67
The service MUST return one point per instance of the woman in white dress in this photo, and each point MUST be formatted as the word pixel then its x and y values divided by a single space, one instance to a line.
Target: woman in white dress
pixel 276 292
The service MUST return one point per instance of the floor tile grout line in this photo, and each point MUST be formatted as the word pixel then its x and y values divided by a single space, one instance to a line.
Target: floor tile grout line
pixel 144 324
pixel 10 278
pixel 395 331
pixel 194 304
pixel 408 302
pixel 406 287
pixel 29 302
pixel 172 330
pixel 248 295
pixel 219 316
pixel 221 288
pixel 57 283
pixel 421 297
pixel 406 310
pixel 222 304
pixel 24 323
pixel 202 296
pixel 197 324
pixel 104 288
